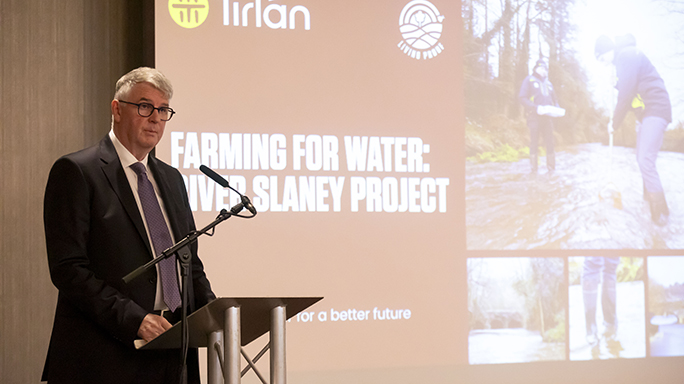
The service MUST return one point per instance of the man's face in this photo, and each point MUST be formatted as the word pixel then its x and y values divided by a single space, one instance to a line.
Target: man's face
pixel 541 71
pixel 607 58
pixel 139 134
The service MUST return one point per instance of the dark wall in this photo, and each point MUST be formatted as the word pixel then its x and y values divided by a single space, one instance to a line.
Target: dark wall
pixel 59 61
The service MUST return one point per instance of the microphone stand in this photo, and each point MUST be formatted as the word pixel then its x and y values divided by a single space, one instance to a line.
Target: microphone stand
pixel 182 250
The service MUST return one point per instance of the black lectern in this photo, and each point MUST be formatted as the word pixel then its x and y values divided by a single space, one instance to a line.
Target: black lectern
pixel 226 324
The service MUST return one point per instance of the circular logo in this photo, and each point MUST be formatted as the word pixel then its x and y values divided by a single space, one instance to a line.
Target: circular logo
pixel 189 13
pixel 420 25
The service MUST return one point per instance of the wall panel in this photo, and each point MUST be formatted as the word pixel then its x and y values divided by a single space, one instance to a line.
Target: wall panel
pixel 58 64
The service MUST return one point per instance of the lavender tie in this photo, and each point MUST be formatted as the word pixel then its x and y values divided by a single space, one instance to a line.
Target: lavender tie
pixel 161 239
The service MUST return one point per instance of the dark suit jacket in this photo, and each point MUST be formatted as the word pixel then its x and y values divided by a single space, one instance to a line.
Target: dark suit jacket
pixel 95 236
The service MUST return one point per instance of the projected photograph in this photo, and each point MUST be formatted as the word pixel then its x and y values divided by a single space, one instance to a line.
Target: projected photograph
pixel 606 307
pixel 666 305
pixel 574 130
pixel 517 310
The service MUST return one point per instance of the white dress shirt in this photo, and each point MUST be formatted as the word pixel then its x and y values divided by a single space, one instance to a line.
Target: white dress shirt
pixel 127 159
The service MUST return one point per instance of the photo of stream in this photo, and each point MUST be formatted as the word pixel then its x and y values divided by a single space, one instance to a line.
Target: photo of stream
pixel 517 310
pixel 666 305
pixel 606 308
pixel 587 203
pixel 574 125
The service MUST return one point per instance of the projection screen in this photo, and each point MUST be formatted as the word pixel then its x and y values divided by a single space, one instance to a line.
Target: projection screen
pixel 386 150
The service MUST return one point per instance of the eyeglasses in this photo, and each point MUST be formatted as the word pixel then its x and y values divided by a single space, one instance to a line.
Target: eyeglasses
pixel 146 110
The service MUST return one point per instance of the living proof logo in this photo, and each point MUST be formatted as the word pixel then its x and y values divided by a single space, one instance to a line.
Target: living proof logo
pixel 420 25
pixel 189 13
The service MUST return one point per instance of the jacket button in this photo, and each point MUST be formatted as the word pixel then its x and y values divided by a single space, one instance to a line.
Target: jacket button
pixel 152 280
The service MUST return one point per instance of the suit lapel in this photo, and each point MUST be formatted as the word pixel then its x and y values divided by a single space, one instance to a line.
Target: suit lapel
pixel 170 199
pixel 111 166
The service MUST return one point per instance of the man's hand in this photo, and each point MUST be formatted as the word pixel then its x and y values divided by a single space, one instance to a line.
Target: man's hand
pixel 152 326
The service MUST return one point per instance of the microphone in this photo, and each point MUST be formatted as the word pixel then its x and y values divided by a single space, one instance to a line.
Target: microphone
pixel 214 176
pixel 237 208
pixel 248 205
pixel 245 203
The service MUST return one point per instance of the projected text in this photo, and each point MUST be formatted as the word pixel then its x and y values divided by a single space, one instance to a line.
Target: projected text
pixel 333 174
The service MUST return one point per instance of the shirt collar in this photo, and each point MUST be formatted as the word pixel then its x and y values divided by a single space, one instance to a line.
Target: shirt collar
pixel 125 156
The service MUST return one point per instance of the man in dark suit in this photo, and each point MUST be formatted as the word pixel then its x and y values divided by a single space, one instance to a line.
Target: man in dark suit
pixel 97 230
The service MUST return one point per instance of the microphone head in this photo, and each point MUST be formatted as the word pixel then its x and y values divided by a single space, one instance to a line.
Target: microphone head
pixel 214 176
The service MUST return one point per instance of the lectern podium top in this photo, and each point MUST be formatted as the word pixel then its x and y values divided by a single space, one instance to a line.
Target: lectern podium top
pixel 254 313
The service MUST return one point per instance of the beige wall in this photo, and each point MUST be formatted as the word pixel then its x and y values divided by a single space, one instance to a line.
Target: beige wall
pixel 58 64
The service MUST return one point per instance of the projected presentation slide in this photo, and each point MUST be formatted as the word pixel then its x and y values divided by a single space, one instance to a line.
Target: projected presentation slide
pixel 338 121
pixel 542 169
pixel 387 151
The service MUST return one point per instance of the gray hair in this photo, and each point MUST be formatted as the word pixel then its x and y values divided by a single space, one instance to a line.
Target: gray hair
pixel 143 75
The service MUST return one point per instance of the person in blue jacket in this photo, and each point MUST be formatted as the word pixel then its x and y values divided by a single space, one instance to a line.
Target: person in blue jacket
pixel 537 90
pixel 641 90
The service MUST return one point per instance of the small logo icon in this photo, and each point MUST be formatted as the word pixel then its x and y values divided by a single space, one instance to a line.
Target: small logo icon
pixel 420 25
pixel 189 13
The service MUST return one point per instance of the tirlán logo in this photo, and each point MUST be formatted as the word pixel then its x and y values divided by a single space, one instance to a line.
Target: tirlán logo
pixel 189 13
pixel 420 25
